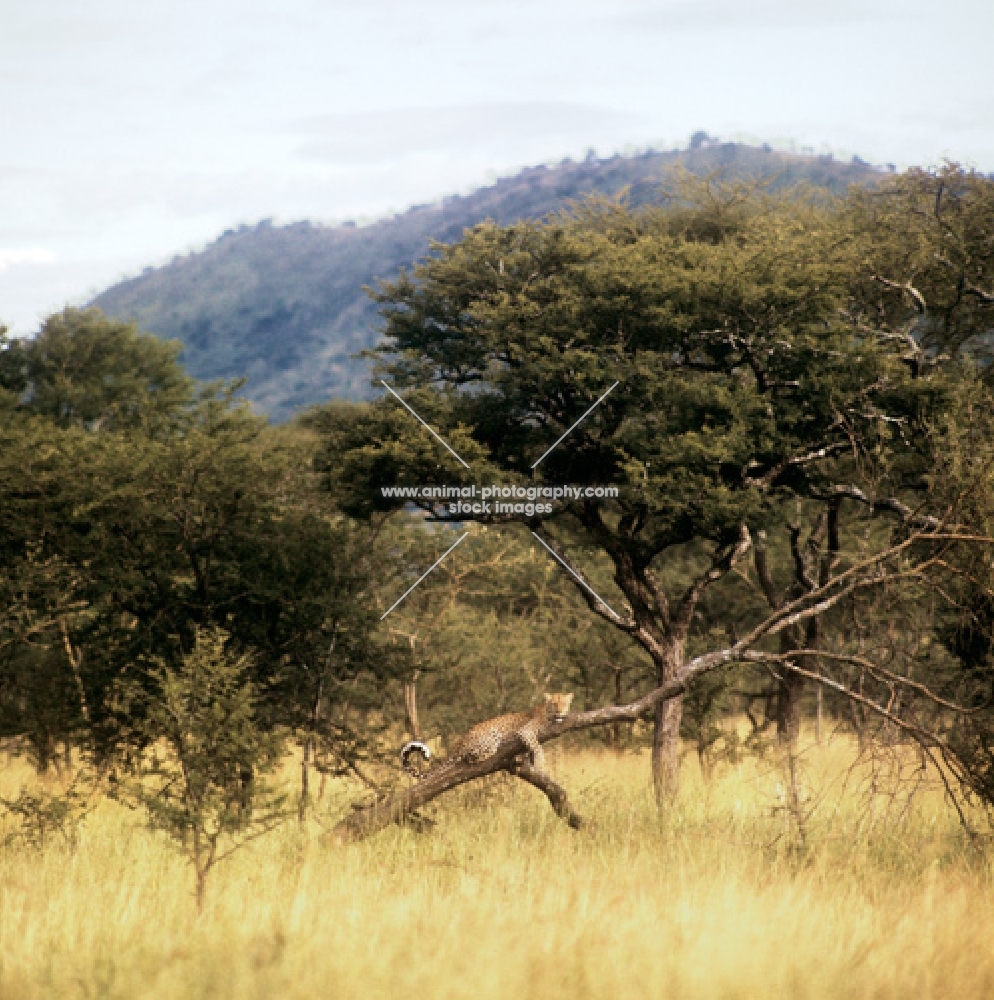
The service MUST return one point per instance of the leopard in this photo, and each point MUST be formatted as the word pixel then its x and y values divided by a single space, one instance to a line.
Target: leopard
pixel 486 739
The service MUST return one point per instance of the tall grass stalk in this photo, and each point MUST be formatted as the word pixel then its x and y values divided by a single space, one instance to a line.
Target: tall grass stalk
pixel 886 900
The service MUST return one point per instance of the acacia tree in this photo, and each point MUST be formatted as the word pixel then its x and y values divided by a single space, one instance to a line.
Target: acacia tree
pixel 940 712
pixel 137 510
pixel 928 262
pixel 744 376
pixel 86 370
pixel 205 785
pixel 66 397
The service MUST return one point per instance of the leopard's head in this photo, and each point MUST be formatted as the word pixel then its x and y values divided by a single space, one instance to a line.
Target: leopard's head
pixel 557 706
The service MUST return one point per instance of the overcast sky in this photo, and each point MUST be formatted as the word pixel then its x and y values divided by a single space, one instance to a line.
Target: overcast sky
pixel 132 130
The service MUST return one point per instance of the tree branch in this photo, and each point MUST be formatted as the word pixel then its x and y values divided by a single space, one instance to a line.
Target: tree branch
pixel 889 504
pixel 768 478
pixel 721 565
pixel 450 774
pixel 980 293
pixel 555 793
pixel 907 288
pixel 580 582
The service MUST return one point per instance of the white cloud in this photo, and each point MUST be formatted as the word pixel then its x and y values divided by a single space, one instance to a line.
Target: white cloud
pixel 24 255
pixel 697 14
pixel 377 136
pixel 29 292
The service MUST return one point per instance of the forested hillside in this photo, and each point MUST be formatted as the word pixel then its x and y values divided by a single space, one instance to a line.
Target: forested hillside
pixel 285 306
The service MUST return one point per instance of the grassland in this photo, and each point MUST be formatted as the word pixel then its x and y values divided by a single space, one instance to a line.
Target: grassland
pixel 885 899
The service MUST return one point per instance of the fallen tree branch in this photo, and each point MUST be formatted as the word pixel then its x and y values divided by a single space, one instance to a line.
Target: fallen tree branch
pixel 555 793
pixel 447 775
pixel 450 774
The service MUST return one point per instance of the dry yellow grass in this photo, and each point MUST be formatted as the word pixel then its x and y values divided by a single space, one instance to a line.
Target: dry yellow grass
pixel 501 900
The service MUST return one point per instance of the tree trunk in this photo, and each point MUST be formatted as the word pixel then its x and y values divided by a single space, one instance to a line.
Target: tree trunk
pixel 411 706
pixel 666 751
pixel 616 728
pixel 791 689
pixel 818 715
pixel 667 716
pixel 201 889
pixel 200 868
pixel 305 778
pixel 310 749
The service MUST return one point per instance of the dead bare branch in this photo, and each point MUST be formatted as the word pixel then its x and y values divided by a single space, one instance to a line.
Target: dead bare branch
pixel 907 288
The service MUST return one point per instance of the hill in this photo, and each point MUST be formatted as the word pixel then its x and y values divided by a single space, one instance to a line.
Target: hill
pixel 285 306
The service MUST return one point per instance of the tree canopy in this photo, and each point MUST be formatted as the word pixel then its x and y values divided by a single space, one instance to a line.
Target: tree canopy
pixel 753 370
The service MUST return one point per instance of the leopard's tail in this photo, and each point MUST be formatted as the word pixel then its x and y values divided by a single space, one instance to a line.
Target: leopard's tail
pixel 408 750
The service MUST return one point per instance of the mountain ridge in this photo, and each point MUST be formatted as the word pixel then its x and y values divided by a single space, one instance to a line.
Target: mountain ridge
pixel 285 306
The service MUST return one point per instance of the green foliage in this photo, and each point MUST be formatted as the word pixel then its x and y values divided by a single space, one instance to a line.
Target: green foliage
pixel 959 643
pixel 203 781
pixel 85 370
pixel 929 259
pixel 42 590
pixel 41 815
pixel 733 356
pixel 363 443
pixel 117 546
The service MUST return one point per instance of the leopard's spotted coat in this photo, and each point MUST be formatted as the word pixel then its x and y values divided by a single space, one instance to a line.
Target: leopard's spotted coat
pixel 487 738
